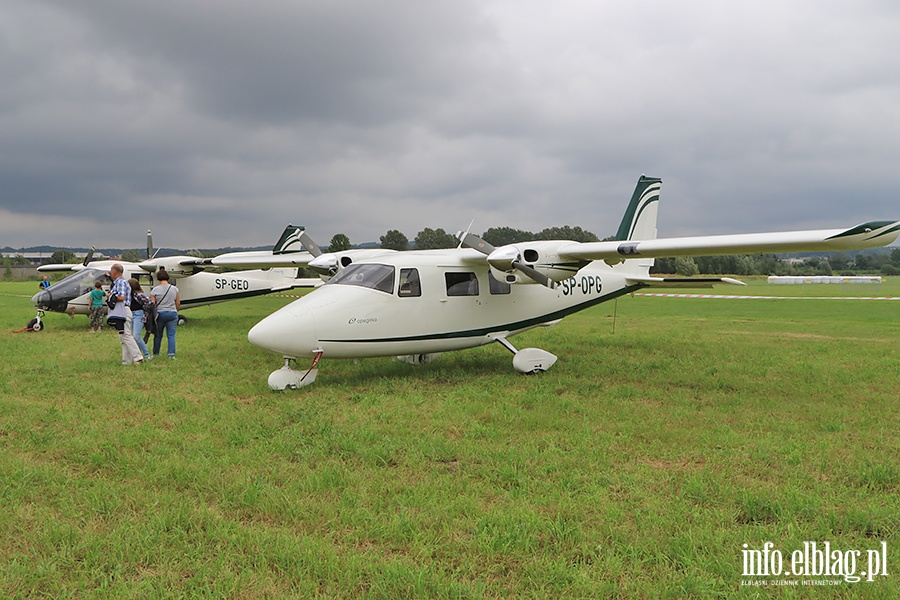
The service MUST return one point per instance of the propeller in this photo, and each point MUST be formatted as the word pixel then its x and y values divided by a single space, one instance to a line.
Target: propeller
pixel 89 256
pixel 310 245
pixel 505 258
pixel 149 245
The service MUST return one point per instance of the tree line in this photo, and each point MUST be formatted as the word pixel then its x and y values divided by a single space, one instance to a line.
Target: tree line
pixel 840 263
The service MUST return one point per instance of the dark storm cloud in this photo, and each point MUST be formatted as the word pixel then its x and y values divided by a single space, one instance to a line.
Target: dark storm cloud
pixel 216 123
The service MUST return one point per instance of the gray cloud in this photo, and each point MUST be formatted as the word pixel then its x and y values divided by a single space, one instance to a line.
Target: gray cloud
pixel 217 124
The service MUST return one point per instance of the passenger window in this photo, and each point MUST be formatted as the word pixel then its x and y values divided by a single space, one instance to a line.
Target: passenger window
pixel 497 286
pixel 461 284
pixel 409 284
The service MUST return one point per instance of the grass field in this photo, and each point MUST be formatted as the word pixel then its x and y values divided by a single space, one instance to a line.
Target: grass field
pixel 638 467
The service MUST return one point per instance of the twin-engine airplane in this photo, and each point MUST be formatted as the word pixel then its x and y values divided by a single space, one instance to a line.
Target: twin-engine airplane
pixel 197 287
pixel 417 304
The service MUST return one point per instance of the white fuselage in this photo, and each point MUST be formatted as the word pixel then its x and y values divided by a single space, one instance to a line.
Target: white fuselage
pixel 345 320
pixel 72 294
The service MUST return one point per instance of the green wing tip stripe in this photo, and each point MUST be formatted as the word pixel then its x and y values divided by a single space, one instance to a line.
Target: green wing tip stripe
pixel 867 228
pixel 891 230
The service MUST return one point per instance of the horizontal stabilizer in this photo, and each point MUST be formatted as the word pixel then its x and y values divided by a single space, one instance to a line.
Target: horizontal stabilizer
pixel 682 282
pixel 867 235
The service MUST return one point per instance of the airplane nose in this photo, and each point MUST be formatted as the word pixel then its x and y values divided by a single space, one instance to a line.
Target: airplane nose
pixel 290 331
pixel 41 299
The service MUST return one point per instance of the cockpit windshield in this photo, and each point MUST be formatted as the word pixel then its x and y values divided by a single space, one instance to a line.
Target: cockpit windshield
pixel 376 277
pixel 80 283
pixel 57 296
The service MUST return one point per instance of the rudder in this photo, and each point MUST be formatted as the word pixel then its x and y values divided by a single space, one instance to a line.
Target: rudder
pixel 639 221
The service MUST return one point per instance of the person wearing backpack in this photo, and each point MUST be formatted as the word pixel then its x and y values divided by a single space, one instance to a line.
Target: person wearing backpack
pixel 119 317
pixel 140 303
pixel 167 299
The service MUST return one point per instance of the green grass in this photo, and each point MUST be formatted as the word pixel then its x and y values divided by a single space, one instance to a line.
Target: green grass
pixel 635 468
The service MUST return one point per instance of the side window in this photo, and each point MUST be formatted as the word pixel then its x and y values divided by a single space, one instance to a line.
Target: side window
pixel 409 284
pixel 497 286
pixel 461 284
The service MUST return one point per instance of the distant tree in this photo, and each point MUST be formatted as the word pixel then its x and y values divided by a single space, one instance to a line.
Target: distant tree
pixel 501 236
pixel 339 242
pixel 839 261
pixel 685 266
pixel 134 255
pixel 18 261
pixel 394 240
pixel 62 257
pixel 434 239
pixel 895 257
pixel 863 262
pixel 890 269
pixel 576 234
pixel 663 265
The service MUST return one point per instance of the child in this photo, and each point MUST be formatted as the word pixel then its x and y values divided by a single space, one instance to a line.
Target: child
pixel 97 296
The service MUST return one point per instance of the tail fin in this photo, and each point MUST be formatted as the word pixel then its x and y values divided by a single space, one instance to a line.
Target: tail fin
pixel 639 222
pixel 295 239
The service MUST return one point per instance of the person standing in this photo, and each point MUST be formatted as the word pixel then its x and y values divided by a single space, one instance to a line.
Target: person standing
pixel 45 283
pixel 140 305
pixel 120 316
pixel 97 296
pixel 168 301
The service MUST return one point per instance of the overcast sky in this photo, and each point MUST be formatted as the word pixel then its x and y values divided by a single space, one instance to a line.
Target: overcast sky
pixel 217 123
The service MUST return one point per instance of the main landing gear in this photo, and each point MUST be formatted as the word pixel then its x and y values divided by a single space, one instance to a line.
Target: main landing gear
pixel 287 378
pixel 528 361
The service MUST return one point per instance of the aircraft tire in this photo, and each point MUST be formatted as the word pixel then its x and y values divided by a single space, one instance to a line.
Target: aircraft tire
pixel 181 320
pixel 36 324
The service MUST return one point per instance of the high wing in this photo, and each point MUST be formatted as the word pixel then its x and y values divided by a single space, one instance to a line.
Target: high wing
pixel 867 235
pixel 59 267
pixel 293 249
pixel 257 259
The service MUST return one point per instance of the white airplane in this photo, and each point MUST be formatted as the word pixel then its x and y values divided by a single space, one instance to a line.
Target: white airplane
pixel 197 287
pixel 417 304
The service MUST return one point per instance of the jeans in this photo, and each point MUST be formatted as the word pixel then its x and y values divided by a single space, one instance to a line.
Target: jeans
pixel 167 319
pixel 137 326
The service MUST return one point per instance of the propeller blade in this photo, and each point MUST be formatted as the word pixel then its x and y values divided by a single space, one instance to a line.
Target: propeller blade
pixel 534 274
pixel 310 245
pixel 471 240
pixel 149 245
pixel 89 256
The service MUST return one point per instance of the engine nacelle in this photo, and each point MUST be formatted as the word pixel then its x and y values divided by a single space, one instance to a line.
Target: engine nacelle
pixel 542 256
pixel 171 264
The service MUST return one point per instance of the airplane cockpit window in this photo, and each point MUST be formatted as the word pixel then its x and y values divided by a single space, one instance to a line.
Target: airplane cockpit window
pixel 410 287
pixel 461 284
pixel 497 286
pixel 376 277
pixel 77 284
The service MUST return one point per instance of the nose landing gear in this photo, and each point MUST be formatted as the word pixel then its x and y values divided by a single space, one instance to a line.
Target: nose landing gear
pixel 288 378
